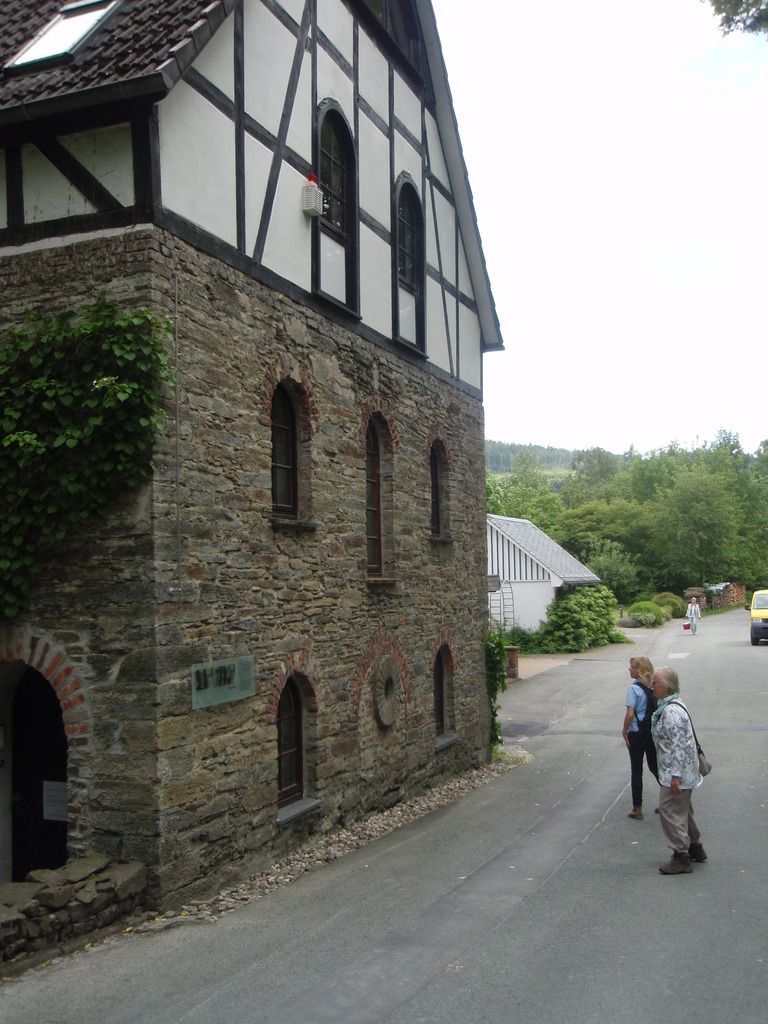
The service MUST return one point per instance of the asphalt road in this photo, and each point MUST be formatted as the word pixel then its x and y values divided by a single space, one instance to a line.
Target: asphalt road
pixel 533 899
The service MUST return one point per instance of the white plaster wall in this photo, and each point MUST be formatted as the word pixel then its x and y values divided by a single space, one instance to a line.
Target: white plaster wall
pixel 429 220
pixel 258 160
pixel 108 155
pixel 3 193
pixel 375 278
pixel 373 77
pixel 217 61
pixel 446 235
pixel 437 340
pixel 531 601
pixel 336 22
pixel 288 249
pixel 333 83
pixel 471 356
pixel 435 151
pixel 407 159
pixel 407 106
pixel 299 137
pixel 47 193
pixel 465 284
pixel 269 51
pixel 197 160
pixel 375 182
pixel 295 8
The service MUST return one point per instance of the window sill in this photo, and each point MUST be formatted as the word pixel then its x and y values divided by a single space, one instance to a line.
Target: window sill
pixel 448 739
pixel 440 539
pixel 296 810
pixel 385 583
pixel 339 306
pixel 289 523
pixel 412 349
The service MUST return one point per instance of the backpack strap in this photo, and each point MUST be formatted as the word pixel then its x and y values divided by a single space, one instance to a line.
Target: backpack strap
pixel 693 729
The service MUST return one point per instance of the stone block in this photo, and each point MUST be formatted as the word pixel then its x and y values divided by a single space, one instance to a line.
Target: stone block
pixel 56 897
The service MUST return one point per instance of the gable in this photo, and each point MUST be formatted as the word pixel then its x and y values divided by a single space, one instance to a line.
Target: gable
pixel 518 550
pixel 221 102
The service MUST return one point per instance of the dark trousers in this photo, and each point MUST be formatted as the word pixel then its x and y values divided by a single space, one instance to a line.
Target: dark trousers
pixel 641 748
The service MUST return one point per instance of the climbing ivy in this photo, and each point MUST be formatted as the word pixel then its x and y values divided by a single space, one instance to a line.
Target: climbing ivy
pixel 80 408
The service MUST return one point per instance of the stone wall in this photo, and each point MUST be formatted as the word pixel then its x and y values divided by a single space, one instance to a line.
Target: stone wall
pixel 194 568
pixel 54 907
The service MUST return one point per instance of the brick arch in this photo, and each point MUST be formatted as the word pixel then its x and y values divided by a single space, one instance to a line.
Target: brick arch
pixel 297 380
pixel 445 640
pixel 382 645
pixel 296 667
pixel 51 661
pixel 437 433
pixel 377 409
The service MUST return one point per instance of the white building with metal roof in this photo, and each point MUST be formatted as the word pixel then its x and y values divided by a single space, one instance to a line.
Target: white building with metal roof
pixel 530 568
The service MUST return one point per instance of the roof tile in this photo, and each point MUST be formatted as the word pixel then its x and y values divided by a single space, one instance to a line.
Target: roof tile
pixel 138 39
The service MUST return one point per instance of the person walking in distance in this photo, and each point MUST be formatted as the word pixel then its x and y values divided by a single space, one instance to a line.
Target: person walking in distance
pixel 679 774
pixel 636 730
pixel 693 614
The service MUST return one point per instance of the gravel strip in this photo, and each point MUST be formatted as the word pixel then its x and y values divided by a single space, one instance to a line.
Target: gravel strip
pixel 329 848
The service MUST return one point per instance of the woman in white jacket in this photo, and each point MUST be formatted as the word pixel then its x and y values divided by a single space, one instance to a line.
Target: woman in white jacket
pixel 679 775
pixel 693 614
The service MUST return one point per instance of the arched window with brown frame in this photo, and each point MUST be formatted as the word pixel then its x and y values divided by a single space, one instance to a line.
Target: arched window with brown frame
pixel 290 754
pixel 442 678
pixel 440 520
pixel 284 454
pixel 373 500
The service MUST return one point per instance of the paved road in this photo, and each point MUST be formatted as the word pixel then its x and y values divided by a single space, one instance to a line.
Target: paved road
pixel 533 899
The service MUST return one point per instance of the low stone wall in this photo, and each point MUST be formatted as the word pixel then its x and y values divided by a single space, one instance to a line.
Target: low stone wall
pixel 54 906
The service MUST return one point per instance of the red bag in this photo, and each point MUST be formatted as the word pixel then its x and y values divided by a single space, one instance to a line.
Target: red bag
pixel 686 625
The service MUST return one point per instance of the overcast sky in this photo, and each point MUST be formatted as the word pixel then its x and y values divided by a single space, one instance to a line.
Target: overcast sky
pixel 618 156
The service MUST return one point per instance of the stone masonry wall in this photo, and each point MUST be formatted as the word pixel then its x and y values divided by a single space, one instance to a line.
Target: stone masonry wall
pixel 54 907
pixel 194 793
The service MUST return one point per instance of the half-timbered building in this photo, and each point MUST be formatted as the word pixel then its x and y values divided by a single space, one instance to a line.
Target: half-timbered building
pixel 283 628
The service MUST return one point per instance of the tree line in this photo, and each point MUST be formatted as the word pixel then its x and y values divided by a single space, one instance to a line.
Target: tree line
pixel 662 521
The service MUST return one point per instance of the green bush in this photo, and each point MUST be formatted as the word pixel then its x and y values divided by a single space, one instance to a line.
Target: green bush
pixel 582 619
pixel 676 605
pixel 647 613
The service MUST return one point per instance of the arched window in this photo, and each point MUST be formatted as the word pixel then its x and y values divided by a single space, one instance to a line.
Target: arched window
pixel 440 519
pixel 284 454
pixel 442 677
pixel 373 500
pixel 290 759
pixel 336 249
pixel 439 689
pixel 434 476
pixel 409 325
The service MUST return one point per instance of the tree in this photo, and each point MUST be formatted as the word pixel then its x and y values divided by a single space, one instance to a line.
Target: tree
pixel 523 494
pixel 593 471
pixel 742 15
pixel 608 560
pixel 696 529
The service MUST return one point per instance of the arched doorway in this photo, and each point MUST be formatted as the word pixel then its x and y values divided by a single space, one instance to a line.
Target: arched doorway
pixel 38 746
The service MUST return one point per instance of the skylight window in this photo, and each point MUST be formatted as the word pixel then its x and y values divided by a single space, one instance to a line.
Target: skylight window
pixel 64 32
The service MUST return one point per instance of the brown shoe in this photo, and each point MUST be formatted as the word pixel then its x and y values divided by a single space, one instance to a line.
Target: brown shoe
pixel 679 864
pixel 697 853
pixel 636 813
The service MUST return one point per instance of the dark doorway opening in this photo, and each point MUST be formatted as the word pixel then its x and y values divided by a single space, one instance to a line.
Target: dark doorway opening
pixel 39 777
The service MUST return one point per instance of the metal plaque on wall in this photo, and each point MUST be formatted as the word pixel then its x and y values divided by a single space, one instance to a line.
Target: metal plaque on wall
pixel 220 682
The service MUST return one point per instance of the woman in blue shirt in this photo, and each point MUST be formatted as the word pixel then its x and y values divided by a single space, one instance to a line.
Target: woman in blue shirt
pixel 636 730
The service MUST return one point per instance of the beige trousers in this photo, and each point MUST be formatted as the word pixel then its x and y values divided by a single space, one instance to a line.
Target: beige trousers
pixel 677 821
